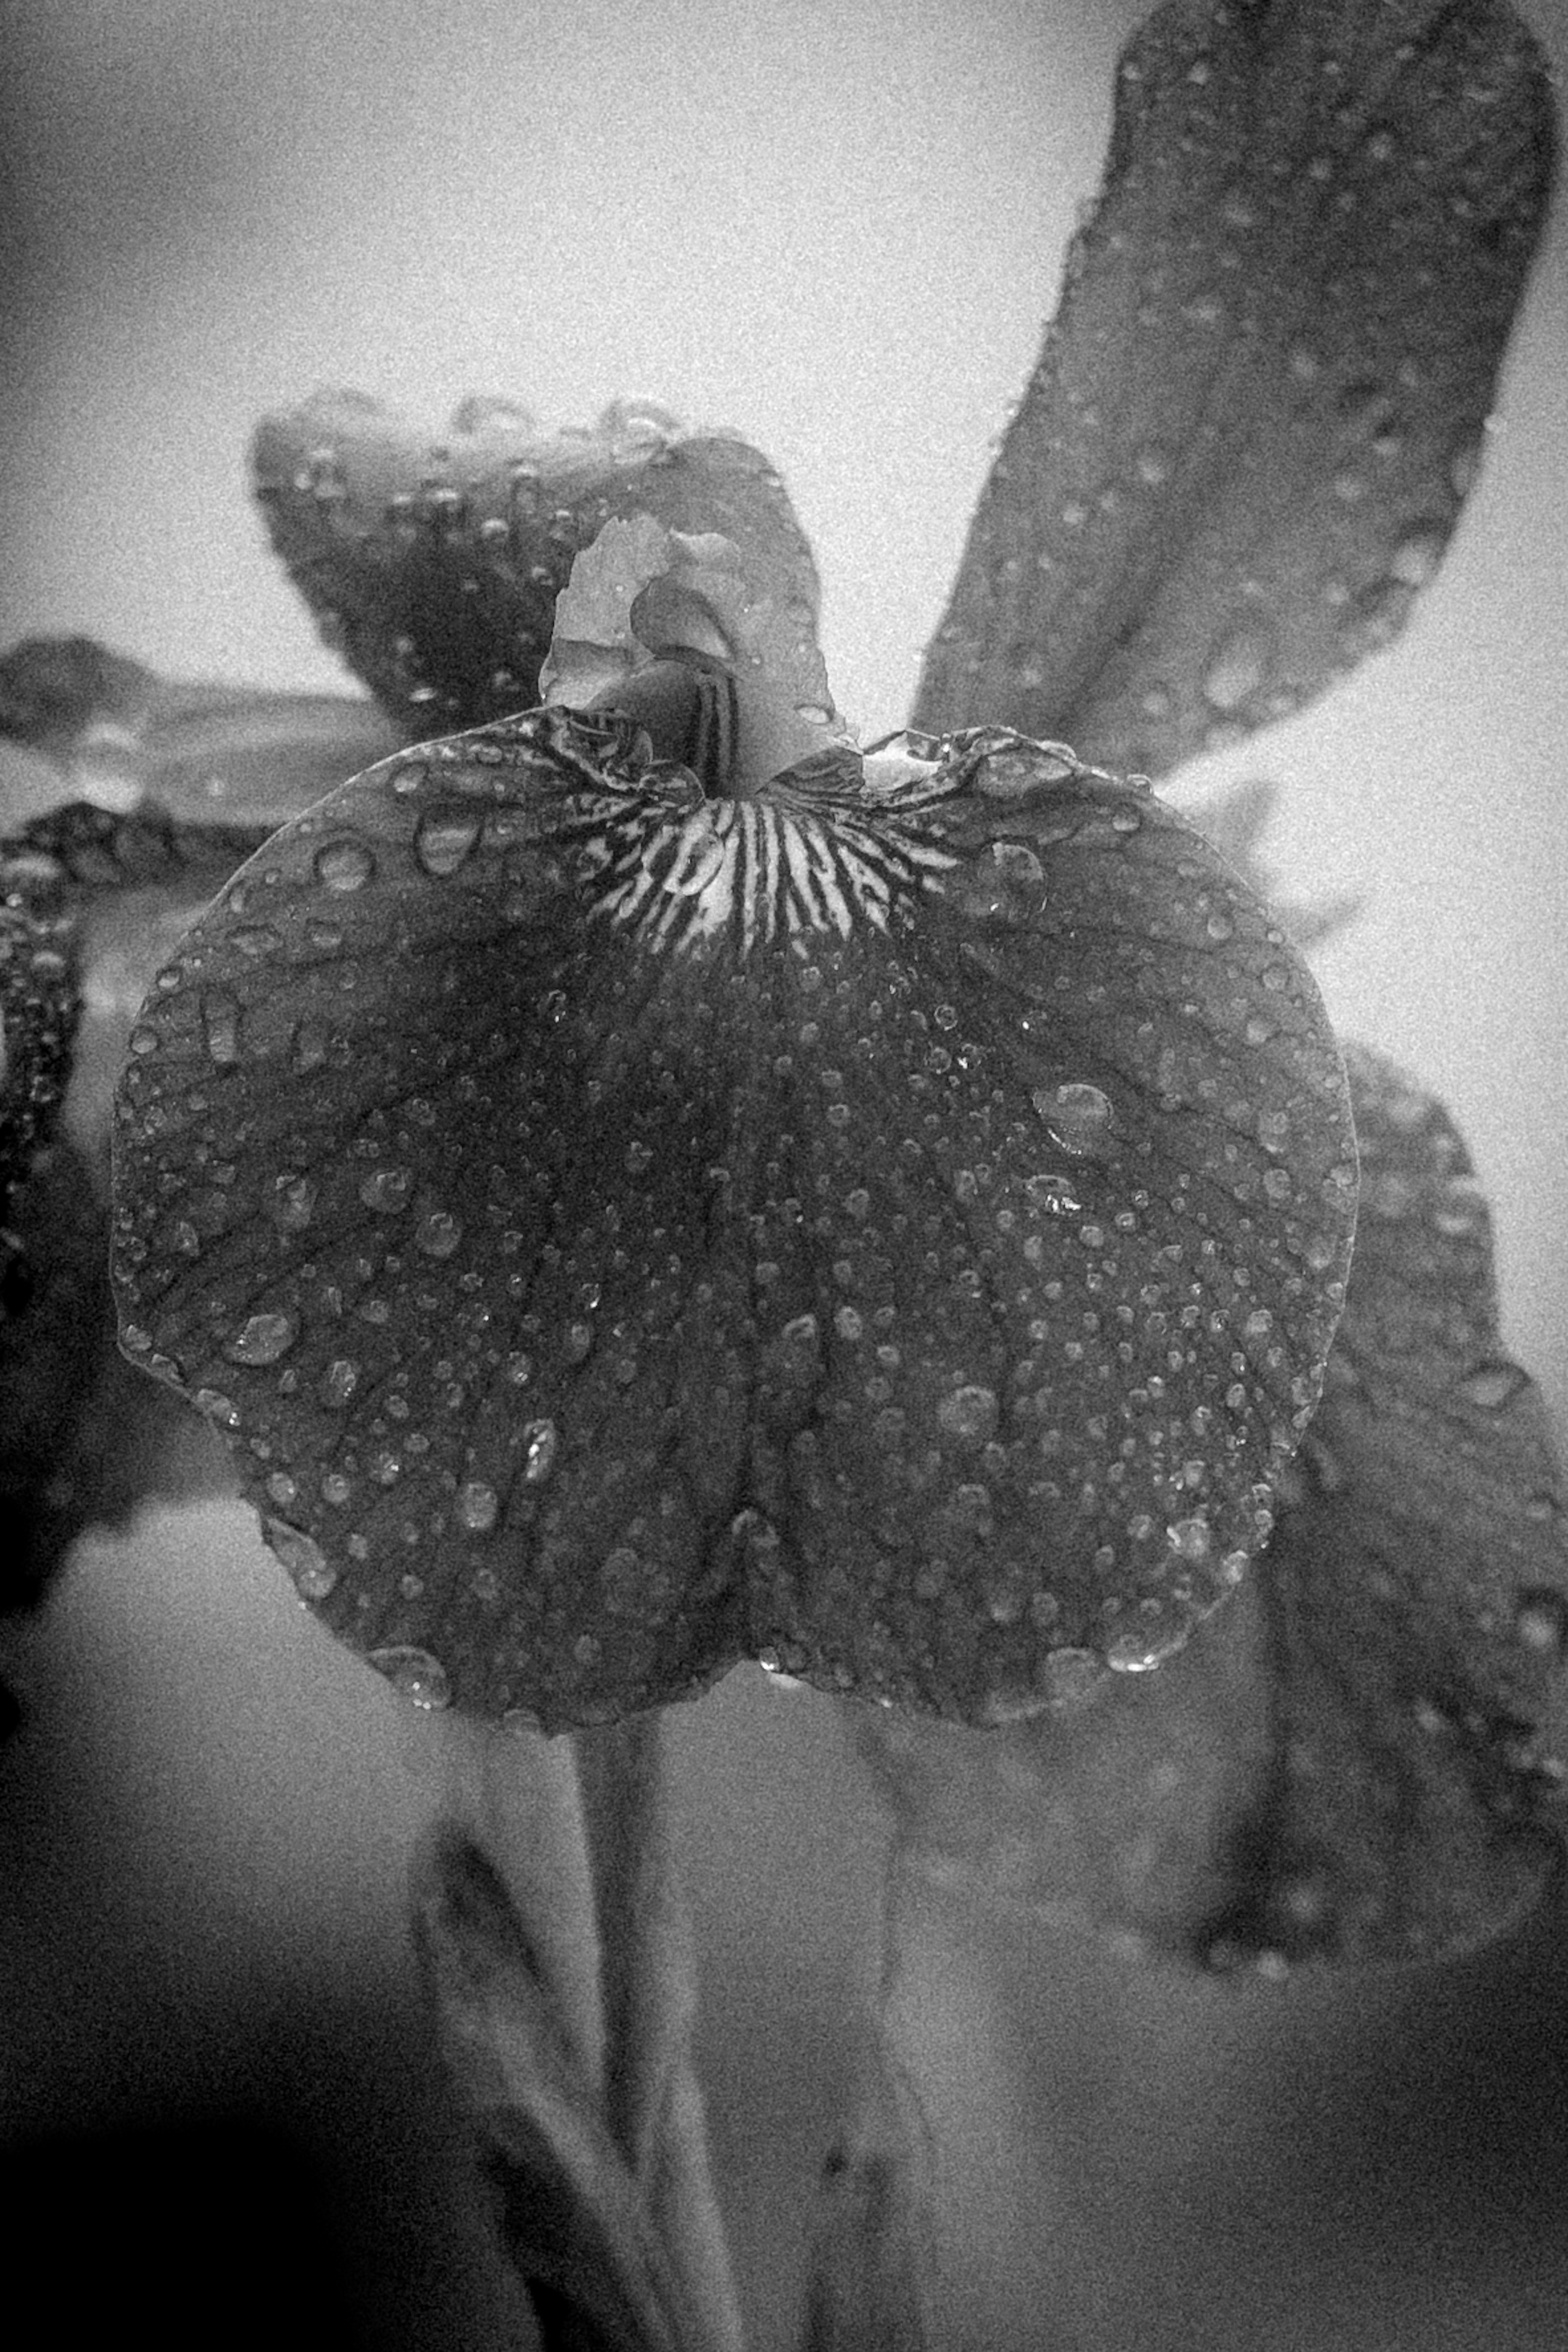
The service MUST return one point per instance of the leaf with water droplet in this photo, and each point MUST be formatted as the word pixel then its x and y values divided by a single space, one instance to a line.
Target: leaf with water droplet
pixel 1363 1758
pixel 919 1270
pixel 106 895
pixel 84 893
pixel 40 1010
pixel 433 565
pixel 1252 424
pixel 116 733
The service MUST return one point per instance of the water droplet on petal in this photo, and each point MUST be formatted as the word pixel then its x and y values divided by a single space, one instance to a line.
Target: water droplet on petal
pixel 1190 1538
pixel 1077 1115
pixel 345 865
pixel 1054 1193
pixel 338 1383
pixel 262 1338
pixel 387 1190
pixel 968 1413
pixel 1206 309
pixel 220 1024
pixel 442 843
pixel 1540 1620
pixel 541 1440
pixel 1463 466
pixel 312 1572
pixel 755 1535
pixel 1237 666
pixel 643 424
pixel 255 940
pixel 293 1202
pixel 414 1673
pixel 1018 863
pixel 438 1233
pixel 1418 556
pixel 478 1506
pixel 308 1047
pixel 1493 1386
pixel 1140 1652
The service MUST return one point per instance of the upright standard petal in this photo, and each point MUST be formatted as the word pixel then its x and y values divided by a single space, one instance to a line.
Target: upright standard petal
pixel 1259 409
pixel 891 1222
pixel 432 567
pixel 1363 1759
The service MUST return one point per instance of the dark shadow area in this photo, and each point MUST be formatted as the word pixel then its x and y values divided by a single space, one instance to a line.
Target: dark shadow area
pixel 216 2231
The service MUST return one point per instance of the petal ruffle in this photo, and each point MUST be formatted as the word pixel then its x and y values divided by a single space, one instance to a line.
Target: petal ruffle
pixel 433 567
pixel 1359 1760
pixel 1259 409
pixel 641 592
pixel 890 1224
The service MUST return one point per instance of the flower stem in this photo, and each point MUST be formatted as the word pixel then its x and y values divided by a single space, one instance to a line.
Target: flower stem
pixel 652 2100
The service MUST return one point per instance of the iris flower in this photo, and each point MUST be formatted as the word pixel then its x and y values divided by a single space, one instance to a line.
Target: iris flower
pixel 641 1181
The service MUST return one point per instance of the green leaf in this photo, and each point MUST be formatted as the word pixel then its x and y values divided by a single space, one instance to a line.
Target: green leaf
pixel 432 567
pixel 892 1224
pixel 570 2218
pixel 567 2019
pixel 40 1013
pixel 116 733
pixel 653 2101
pixel 1259 409
pixel 1361 1758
